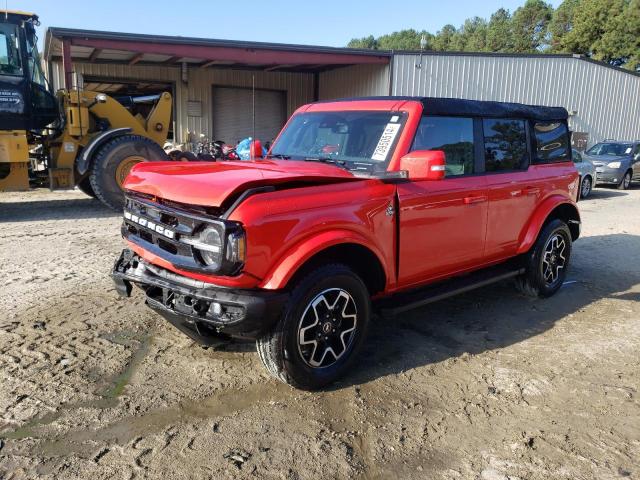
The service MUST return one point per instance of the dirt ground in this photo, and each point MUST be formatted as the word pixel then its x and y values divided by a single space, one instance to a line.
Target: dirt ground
pixel 490 385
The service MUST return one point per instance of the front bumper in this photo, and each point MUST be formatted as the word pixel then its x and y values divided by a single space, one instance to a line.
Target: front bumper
pixel 607 176
pixel 203 311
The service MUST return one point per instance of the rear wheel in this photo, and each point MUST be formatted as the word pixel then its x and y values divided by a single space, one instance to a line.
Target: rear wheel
pixel 547 262
pixel 320 330
pixel 625 183
pixel 114 161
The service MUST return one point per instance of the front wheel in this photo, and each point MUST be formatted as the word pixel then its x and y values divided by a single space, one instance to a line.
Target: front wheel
pixel 547 262
pixel 320 330
pixel 585 187
pixel 625 183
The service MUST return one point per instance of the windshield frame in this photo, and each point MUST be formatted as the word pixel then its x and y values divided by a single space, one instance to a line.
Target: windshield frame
pixel 623 145
pixel 363 165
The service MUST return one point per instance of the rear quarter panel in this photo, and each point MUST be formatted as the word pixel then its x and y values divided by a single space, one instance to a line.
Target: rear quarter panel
pixel 559 184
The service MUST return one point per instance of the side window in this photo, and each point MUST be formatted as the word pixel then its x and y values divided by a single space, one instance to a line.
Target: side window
pixel 552 141
pixel 505 144
pixel 454 136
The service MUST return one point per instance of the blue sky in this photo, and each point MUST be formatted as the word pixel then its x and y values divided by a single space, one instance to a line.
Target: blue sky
pixel 323 22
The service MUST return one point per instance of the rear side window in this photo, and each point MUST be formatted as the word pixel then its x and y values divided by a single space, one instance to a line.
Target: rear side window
pixel 452 135
pixel 552 141
pixel 505 144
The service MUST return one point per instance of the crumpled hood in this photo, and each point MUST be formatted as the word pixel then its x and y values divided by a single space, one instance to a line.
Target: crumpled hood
pixel 211 183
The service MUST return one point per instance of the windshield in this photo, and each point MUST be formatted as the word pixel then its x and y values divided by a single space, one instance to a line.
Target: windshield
pixel 10 63
pixel 355 140
pixel 614 149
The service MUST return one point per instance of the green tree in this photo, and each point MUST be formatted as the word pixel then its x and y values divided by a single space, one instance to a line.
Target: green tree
pixel 404 40
pixel 445 38
pixel 369 42
pixel 632 16
pixel 606 30
pixel 611 47
pixel 562 23
pixel 529 26
pixel 600 30
pixel 499 32
pixel 472 37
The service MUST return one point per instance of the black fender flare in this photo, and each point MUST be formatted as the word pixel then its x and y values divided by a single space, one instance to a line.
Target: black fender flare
pixel 83 162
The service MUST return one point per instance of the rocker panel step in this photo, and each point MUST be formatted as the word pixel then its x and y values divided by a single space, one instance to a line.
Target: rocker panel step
pixel 434 292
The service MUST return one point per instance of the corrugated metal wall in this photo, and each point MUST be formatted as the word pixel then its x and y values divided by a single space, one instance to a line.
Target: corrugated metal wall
pixel 299 86
pixel 607 101
pixel 354 81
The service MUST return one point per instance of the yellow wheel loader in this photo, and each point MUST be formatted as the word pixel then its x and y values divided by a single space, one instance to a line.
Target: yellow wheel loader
pixel 73 137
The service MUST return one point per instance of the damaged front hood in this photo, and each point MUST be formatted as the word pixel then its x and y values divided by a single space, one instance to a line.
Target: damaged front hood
pixel 213 184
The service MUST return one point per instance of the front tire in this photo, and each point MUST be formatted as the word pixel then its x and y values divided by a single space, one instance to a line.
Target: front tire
pixel 320 331
pixel 114 161
pixel 547 261
pixel 586 187
pixel 625 183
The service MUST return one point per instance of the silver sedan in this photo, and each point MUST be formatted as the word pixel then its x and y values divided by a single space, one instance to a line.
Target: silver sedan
pixel 587 171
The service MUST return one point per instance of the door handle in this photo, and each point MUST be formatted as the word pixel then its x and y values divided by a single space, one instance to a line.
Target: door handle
pixel 532 191
pixel 472 200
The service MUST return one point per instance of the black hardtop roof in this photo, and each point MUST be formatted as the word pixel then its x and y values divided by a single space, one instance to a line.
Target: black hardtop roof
pixel 478 108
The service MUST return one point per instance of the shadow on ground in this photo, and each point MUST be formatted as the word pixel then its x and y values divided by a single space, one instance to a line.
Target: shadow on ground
pixel 496 316
pixel 42 210
pixel 604 193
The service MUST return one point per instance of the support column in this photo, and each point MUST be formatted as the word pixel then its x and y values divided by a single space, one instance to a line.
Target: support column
pixel 67 64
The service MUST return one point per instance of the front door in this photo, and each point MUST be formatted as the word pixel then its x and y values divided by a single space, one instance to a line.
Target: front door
pixel 443 222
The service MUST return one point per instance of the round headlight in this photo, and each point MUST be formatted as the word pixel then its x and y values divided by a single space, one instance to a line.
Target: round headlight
pixel 211 247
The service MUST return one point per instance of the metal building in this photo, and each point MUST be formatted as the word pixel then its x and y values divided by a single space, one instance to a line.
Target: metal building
pixel 213 81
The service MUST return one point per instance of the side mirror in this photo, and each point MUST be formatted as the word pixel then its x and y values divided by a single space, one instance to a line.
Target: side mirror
pixel 424 164
pixel 255 149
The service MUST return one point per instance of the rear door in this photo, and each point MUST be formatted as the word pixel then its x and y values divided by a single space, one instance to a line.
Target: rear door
pixel 442 223
pixel 513 188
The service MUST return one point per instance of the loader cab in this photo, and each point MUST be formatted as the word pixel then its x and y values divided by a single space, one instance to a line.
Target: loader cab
pixel 25 100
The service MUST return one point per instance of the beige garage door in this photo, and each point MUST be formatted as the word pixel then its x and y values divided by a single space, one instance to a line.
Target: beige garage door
pixel 232 113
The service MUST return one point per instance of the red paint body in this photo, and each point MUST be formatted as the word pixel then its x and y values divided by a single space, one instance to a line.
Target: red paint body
pixel 446 227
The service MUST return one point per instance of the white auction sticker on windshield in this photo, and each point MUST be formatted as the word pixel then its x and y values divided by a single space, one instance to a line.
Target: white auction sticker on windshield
pixel 386 141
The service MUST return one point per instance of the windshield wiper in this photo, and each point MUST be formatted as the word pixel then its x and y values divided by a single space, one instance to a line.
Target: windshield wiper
pixel 333 161
pixel 281 156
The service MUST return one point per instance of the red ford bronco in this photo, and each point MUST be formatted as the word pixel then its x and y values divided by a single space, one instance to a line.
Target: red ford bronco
pixel 369 203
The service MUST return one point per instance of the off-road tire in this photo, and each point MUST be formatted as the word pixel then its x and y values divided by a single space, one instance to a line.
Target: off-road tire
pixel 532 282
pixel 625 183
pixel 108 157
pixel 84 186
pixel 279 350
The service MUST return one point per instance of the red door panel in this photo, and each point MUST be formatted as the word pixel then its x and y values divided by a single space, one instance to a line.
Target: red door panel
pixel 442 227
pixel 513 197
